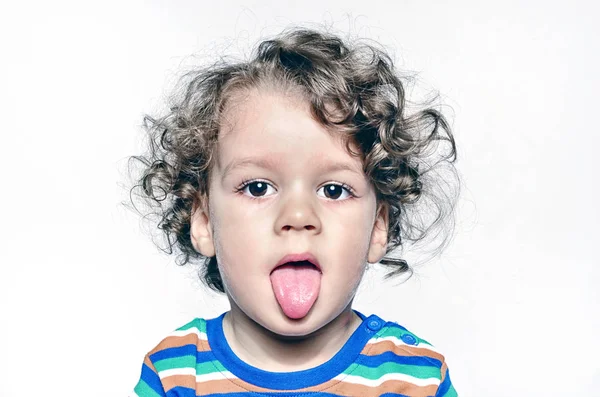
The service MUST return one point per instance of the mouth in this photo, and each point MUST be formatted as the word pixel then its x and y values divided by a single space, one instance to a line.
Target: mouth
pixel 303 259
pixel 296 282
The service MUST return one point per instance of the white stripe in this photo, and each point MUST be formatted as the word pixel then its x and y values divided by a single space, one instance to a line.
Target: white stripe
pixel 215 376
pixel 394 376
pixel 199 378
pixel 400 342
pixel 176 371
pixel 189 331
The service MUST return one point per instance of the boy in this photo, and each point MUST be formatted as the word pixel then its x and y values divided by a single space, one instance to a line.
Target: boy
pixel 288 174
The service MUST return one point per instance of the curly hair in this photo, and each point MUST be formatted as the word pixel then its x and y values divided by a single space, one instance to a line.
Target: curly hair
pixel 352 88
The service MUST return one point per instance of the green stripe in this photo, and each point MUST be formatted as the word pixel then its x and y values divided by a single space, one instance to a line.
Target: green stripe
pixel 198 323
pixel 417 371
pixel 143 390
pixel 209 367
pixel 175 362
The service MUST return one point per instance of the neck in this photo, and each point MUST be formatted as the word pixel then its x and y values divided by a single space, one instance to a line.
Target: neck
pixel 263 349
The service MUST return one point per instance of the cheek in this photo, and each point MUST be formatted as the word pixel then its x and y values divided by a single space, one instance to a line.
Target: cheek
pixel 356 229
pixel 237 236
pixel 351 240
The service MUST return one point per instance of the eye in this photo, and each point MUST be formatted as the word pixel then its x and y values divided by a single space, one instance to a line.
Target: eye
pixel 334 191
pixel 255 189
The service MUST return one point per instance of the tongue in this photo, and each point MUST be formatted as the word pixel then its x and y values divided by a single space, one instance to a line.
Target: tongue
pixel 296 288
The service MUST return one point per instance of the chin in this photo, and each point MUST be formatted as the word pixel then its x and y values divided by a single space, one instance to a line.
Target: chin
pixel 295 329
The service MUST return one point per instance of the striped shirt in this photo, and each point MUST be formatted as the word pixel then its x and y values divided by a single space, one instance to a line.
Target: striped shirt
pixel 379 359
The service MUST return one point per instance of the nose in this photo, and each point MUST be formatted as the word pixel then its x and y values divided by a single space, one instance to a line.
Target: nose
pixel 298 213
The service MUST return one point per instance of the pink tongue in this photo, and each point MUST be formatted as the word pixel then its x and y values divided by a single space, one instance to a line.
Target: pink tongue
pixel 296 288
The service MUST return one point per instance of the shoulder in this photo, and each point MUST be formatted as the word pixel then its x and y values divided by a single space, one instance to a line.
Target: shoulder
pixel 399 349
pixel 172 363
pixel 183 341
pixel 397 360
pixel 397 338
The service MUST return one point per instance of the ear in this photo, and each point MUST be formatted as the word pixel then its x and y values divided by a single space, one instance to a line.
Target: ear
pixel 201 231
pixel 379 235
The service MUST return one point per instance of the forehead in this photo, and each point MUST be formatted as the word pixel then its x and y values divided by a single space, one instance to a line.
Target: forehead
pixel 280 129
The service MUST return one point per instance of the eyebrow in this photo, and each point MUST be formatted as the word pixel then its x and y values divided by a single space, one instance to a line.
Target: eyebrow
pixel 273 163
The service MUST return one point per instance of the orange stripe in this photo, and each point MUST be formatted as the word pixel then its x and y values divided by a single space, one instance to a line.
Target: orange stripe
pixel 400 350
pixel 178 341
pixel 333 386
pixel 444 370
pixel 149 363
pixel 227 386
pixel 173 381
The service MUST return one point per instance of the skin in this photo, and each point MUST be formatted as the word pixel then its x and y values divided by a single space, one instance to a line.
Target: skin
pixel 249 234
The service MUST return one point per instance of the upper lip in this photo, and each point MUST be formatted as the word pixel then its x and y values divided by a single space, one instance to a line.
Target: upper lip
pixel 305 256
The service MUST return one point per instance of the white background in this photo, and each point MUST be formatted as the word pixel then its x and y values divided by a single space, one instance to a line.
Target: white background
pixel 513 302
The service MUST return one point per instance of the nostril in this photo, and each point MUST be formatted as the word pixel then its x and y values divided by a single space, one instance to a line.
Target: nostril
pixel 307 227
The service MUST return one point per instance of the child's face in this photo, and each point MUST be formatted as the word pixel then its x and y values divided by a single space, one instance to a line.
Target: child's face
pixel 293 206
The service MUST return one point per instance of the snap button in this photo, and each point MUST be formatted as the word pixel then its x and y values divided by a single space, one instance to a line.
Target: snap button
pixel 374 325
pixel 408 339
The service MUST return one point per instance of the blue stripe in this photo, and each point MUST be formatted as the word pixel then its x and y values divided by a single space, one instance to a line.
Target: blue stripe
pixel 390 324
pixel 180 391
pixel 393 395
pixel 386 357
pixel 204 357
pixel 181 351
pixel 174 352
pixel 445 386
pixel 152 380
pixel 282 394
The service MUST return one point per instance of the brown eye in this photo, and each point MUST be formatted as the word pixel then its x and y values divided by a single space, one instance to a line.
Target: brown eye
pixel 256 189
pixel 335 192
